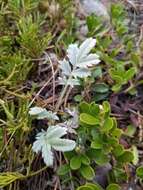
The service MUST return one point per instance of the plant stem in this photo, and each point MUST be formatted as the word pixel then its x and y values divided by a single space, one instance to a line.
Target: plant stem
pixel 37 172
pixel 61 97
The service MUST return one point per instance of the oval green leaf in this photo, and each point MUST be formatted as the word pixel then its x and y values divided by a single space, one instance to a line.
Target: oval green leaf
pixel 126 157
pixel 87 172
pixel 75 163
pixel 113 186
pixel 89 119
pixel 139 172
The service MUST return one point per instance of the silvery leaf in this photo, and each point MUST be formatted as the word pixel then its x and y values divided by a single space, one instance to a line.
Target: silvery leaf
pixel 36 110
pixel 63 145
pixel 78 63
pixel 81 73
pixel 88 61
pixel 50 139
pixel 72 82
pixel 85 48
pixel 47 154
pixel 56 131
pixel 72 53
pixel 42 113
pixel 65 66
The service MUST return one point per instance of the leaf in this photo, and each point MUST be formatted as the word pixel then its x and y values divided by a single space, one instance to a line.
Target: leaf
pixel 85 48
pixel 126 157
pixel 97 72
pixel 42 113
pixel 65 67
pixel 72 82
pixel 130 73
pixel 113 186
pixel 97 144
pixel 100 157
pixel 7 178
pixel 72 53
pixel 89 119
pixel 81 73
pixel 63 169
pixel 130 131
pixel 139 172
pixel 84 107
pixel 136 155
pixel 85 160
pixel 36 110
pixel 101 88
pixel 87 172
pixel 89 61
pixel 75 163
pixel 108 125
pixel 46 140
pixel 85 187
pixel 90 186
pixel 55 132
pixel 94 109
pixel 95 186
pixel 78 63
pixel 118 150
pixel 62 144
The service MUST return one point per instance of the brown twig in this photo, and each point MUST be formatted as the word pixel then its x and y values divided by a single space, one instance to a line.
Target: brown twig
pixel 53 74
pixel 39 92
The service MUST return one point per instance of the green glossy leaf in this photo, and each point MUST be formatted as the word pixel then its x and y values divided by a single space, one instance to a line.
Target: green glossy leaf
pixel 126 157
pixel 136 155
pixel 100 157
pixel 108 124
pixel 94 109
pixel 113 141
pixel 106 107
pixel 100 96
pixel 85 160
pixel 118 150
pixel 135 58
pixel 130 131
pixel 84 107
pixel 130 73
pixel 116 87
pixel 88 119
pixel 113 186
pixel 78 98
pixel 139 172
pixel 101 88
pixel 90 186
pixel 63 169
pixel 75 162
pixel 87 172
pixel 97 142
pixel 117 132
pixel 97 72
pixel 95 186
pixel 85 187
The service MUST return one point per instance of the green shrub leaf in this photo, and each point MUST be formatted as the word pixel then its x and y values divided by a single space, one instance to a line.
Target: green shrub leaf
pixel 139 172
pixel 113 186
pixel 87 172
pixel 75 163
pixel 88 119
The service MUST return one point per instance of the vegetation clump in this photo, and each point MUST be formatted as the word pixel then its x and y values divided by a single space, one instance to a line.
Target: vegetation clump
pixel 70 102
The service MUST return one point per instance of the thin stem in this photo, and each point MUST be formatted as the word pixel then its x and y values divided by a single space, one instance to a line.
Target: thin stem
pixel 37 172
pixel 39 92
pixel 64 90
pixel 61 97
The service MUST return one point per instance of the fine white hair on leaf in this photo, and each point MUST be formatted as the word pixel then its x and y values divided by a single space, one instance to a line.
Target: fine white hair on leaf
pixel 79 62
